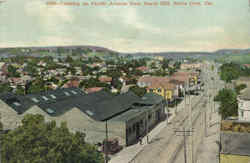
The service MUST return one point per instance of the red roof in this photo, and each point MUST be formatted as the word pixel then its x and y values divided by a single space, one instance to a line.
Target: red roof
pixel 247 65
pixel 93 89
pixel 105 79
pixel 71 83
pixel 152 79
pixel 142 68
pixel 158 82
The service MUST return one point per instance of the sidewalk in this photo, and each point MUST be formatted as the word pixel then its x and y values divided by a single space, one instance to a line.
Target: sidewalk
pixel 128 153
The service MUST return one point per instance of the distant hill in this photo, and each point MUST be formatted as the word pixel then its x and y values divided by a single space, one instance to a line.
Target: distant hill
pixel 233 51
pixel 56 51
pixel 207 55
pixel 105 51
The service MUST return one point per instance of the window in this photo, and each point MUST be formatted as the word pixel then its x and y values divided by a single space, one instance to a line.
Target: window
pixel 53 96
pixel 129 130
pixel 159 90
pixel 67 93
pixel 242 113
pixel 149 116
pixel 74 92
pixel 89 112
pixel 50 111
pixel 45 98
pixel 151 90
pixel 35 100
pixel 134 127
pixel 17 103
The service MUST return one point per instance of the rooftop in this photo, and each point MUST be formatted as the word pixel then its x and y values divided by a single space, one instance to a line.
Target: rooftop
pixel 151 99
pixel 243 78
pixel 245 95
pixel 99 105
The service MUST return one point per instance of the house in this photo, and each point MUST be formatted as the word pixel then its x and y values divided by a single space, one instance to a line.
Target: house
pixel 43 64
pixel 247 65
pixel 244 105
pixel 4 68
pixel 72 83
pixel 235 147
pixel 185 66
pixel 105 79
pixel 2 64
pixel 160 58
pixel 146 81
pixel 242 80
pixel 191 77
pixel 159 85
pixel 143 69
pixel 127 116
pixel 166 89
pixel 93 89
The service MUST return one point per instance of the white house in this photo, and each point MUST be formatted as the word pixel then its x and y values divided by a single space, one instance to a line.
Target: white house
pixel 244 106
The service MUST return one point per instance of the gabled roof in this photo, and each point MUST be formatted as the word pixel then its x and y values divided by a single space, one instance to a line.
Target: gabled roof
pixel 93 89
pixel 45 100
pixel 245 95
pixel 118 104
pixel 99 105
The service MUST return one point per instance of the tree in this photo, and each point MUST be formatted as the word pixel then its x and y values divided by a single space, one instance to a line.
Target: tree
pixel 229 72
pixel 153 65
pixel 116 83
pixel 5 87
pixel 177 65
pixel 212 67
pixel 165 63
pixel 20 90
pixel 228 103
pixel 36 86
pixel 171 70
pixel 69 59
pixel 31 69
pixel 138 91
pixel 12 71
pixel 37 141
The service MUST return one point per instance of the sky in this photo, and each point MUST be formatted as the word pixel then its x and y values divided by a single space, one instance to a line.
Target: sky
pixel 225 24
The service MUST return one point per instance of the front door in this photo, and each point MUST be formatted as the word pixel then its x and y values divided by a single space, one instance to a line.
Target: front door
pixel 137 130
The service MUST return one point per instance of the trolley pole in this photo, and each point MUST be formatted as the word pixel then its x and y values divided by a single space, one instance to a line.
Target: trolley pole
pixel 147 129
pixel 185 133
pixel 106 143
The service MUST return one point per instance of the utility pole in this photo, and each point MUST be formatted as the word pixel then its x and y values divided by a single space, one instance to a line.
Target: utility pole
pixel 191 126
pixel 210 106
pixel 166 104
pixel 175 105
pixel 1 130
pixel 106 143
pixel 147 129
pixel 185 94
pixel 185 133
pixel 205 122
